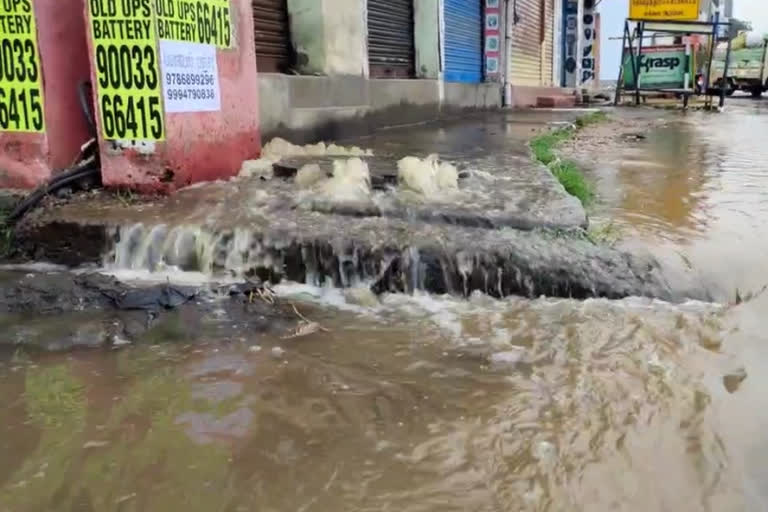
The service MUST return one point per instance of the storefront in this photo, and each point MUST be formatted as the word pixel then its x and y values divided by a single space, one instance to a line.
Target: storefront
pixel 272 36
pixel 463 41
pixel 391 51
pixel 532 46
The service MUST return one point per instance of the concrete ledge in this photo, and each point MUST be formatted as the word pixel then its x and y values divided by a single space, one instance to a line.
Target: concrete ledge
pixel 485 95
pixel 555 101
pixel 311 108
pixel 323 91
pixel 388 93
pixel 525 96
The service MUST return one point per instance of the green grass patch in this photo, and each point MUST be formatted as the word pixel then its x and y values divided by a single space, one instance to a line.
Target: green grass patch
pixel 574 182
pixel 567 173
pixel 589 119
pixel 544 145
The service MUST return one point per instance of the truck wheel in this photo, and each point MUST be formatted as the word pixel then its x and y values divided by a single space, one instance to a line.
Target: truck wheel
pixel 757 92
pixel 729 87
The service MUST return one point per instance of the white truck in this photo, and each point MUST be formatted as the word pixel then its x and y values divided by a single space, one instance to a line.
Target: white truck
pixel 747 68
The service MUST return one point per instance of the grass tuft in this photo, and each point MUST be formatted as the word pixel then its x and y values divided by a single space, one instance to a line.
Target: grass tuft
pixel 543 146
pixel 569 175
pixel 567 172
pixel 589 119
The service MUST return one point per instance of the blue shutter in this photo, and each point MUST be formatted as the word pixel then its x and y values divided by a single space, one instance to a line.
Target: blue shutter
pixel 463 41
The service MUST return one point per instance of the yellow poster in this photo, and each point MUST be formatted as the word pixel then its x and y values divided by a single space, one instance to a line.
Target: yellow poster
pixel 195 21
pixel 127 69
pixel 21 93
pixel 659 10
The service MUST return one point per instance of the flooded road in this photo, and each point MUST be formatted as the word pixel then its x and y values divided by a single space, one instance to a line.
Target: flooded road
pixel 694 188
pixel 435 403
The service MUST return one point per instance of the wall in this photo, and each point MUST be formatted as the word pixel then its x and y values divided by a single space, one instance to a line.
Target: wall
pixel 28 159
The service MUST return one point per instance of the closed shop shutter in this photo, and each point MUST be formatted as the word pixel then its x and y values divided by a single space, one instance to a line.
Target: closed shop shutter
pixel 525 53
pixel 549 43
pixel 272 35
pixel 391 52
pixel 463 41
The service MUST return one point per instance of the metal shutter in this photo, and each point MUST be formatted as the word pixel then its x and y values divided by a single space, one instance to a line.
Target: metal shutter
pixel 525 54
pixel 391 52
pixel 463 41
pixel 272 35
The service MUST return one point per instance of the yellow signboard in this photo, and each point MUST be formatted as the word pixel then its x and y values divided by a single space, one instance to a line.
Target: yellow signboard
pixel 664 9
pixel 195 21
pixel 127 69
pixel 21 95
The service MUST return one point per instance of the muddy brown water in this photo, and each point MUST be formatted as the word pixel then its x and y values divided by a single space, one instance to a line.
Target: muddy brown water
pixel 427 403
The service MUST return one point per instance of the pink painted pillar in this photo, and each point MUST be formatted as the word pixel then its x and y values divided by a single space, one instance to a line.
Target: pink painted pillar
pixel 28 159
pixel 198 146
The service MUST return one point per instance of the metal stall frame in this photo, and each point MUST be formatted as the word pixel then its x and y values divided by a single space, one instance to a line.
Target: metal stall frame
pixel 635 37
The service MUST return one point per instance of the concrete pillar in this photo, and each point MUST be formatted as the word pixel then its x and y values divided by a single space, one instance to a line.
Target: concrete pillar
pixel 308 35
pixel 579 44
pixel 345 37
pixel 427 38
pixel 329 36
pixel 557 53
pixel 571 46
pixel 29 156
pixel 589 42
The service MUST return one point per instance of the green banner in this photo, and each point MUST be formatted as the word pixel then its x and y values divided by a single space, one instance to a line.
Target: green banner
pixel 661 67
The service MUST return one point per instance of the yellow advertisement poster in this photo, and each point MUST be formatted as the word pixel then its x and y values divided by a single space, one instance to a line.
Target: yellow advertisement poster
pixel 659 10
pixel 195 21
pixel 21 93
pixel 127 69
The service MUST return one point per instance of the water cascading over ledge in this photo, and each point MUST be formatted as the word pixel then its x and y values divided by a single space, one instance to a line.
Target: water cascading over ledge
pixel 499 263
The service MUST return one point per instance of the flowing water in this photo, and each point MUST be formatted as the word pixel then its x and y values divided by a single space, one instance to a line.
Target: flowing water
pixel 434 403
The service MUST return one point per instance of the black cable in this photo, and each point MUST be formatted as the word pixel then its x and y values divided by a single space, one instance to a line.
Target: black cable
pixel 86 169
pixel 88 166
pixel 85 95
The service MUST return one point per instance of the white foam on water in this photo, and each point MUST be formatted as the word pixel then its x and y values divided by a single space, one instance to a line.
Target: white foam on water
pixel 309 175
pixel 336 298
pixel 169 275
pixel 261 168
pixel 428 178
pixel 37 267
pixel 278 148
pixel 351 182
